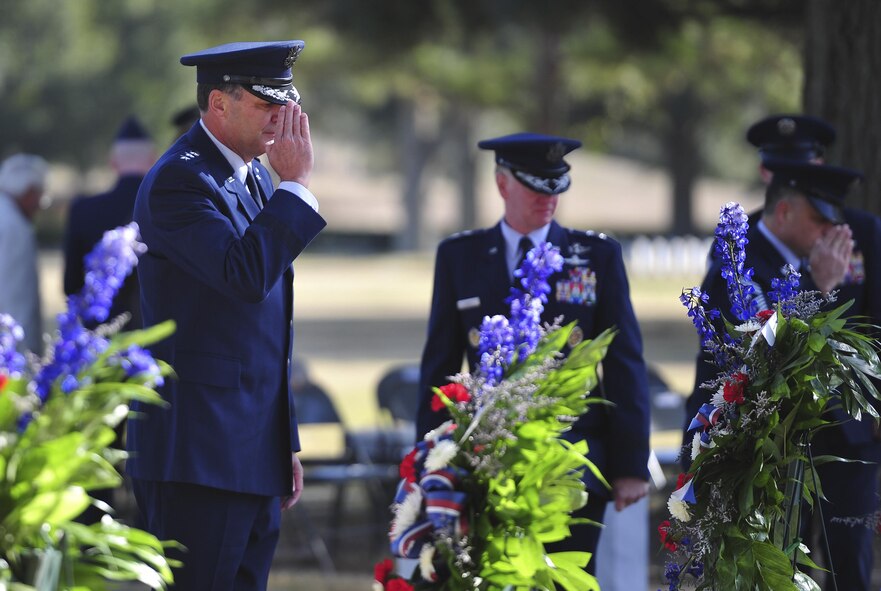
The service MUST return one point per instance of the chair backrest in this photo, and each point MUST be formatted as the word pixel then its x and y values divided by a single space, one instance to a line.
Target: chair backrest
pixel 322 434
pixel 313 405
pixel 398 392
pixel 668 407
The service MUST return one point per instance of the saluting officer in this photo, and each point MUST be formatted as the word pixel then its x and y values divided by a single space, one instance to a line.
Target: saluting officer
pixel 213 469
pixel 473 275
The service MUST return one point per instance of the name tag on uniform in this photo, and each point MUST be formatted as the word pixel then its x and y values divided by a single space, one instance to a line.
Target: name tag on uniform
pixel 468 303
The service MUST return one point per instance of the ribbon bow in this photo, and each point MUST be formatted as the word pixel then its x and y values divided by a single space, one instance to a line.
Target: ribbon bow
pixel 443 506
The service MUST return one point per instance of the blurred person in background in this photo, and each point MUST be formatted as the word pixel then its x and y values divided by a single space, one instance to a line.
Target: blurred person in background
pixel 473 276
pixel 184 119
pixel 22 187
pixel 131 156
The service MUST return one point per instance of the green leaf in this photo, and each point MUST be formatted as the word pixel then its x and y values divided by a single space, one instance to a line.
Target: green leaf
pixel 816 342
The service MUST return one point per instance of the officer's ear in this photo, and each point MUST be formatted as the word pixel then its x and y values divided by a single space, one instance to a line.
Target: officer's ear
pixel 503 180
pixel 785 208
pixel 218 102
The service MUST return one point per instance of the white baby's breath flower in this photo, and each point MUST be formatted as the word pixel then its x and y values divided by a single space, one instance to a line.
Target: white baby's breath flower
pixel 679 509
pixel 406 512
pixel 435 433
pixel 718 398
pixel 440 455
pixel 748 326
pixel 426 563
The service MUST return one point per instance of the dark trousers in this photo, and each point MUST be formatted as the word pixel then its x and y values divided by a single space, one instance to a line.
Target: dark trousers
pixel 851 491
pixel 585 537
pixel 230 537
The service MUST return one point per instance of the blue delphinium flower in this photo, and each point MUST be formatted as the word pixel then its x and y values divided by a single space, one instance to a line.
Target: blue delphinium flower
pixel 495 348
pixel 671 574
pixel 694 299
pixel 76 347
pixel 784 290
pixel 106 267
pixel 730 242
pixel 139 362
pixel 696 570
pixel 527 303
pixel 702 318
pixel 540 263
pixel 12 363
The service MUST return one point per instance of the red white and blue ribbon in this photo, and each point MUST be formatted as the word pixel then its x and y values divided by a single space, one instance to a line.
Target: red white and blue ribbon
pixel 685 493
pixel 707 416
pixel 443 509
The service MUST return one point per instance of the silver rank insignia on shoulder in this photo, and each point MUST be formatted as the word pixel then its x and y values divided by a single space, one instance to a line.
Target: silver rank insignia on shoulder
pixel 579 288
pixel 578 248
pixel 474 337
pixel 189 155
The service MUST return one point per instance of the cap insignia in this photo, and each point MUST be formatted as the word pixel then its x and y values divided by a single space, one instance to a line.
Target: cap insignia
pixel 786 126
pixel 556 152
pixel 292 56
pixel 188 155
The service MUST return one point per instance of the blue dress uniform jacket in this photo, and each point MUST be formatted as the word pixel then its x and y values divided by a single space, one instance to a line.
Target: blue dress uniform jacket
pixel 221 269
pixel 88 219
pixel 471 281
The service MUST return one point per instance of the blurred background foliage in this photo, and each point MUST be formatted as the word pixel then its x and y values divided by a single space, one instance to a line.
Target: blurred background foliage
pixel 670 83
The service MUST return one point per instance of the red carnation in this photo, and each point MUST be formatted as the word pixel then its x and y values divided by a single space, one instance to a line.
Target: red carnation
pixel 4 379
pixel 664 532
pixel 407 469
pixel 455 392
pixel 682 479
pixel 764 315
pixel 382 570
pixel 733 389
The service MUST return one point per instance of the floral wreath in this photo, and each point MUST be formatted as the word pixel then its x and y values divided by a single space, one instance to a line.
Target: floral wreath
pixel 482 494
pixel 735 514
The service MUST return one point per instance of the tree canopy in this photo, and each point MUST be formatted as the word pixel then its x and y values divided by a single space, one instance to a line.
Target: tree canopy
pixel 670 83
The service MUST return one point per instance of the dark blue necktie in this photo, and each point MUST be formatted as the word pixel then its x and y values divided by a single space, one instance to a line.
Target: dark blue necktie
pixel 254 189
pixel 523 247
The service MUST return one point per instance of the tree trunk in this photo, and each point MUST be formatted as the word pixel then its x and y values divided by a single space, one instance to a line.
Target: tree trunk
pixel 418 142
pixel 842 61
pixel 462 126
pixel 547 115
pixel 684 112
